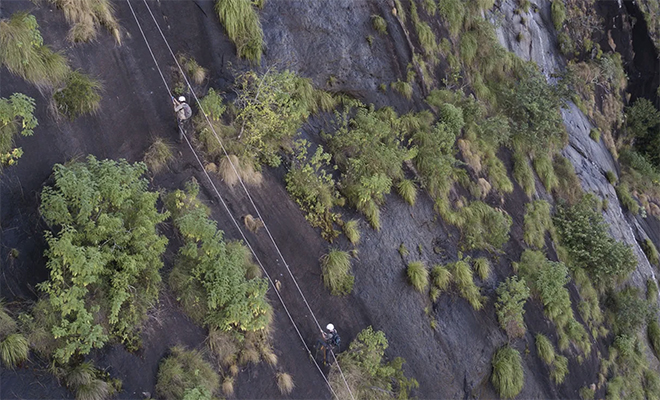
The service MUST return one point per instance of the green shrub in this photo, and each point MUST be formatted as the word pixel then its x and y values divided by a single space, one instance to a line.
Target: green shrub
pixel 14 350
pixel 336 268
pixel 404 88
pixel 418 275
pixel 653 332
pixel 643 123
pixel 611 177
pixel 629 311
pixel 511 297
pixel 507 377
pixel 559 369
pixel 23 52
pixel 594 134
pixel 158 155
pixel 241 22
pixel 184 371
pixel 408 191
pixel 16 116
pixel 79 96
pixel 545 349
pixel 523 174
pixel 368 374
pixel 582 230
pixel 379 24
pixel 537 222
pixel 558 13
pixel 482 267
pixel 213 105
pixel 651 251
pixel 626 198
pixel 352 231
pixel 104 253
pixel 546 172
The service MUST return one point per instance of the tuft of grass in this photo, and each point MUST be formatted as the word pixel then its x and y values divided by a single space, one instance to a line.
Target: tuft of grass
pixel 379 24
pixel 14 350
pixel 651 251
pixel 537 222
pixel 285 383
pixel 81 95
pixel 497 173
pixel 158 155
pixel 651 291
pixel 222 345
pixel 23 53
pixel 249 355
pixel 185 370
pixel 97 389
pixel 559 369
pixel 86 16
pixel 482 267
pixel 558 10
pixel 594 134
pixel 441 277
pixel 245 169
pixel 418 275
pixel 507 377
pixel 253 224
pixel 336 268
pixel 568 187
pixel 408 191
pixel 545 171
pixel 545 349
pixel 372 213
pixel 626 198
pixel 403 88
pixel 587 393
pixel 523 174
pixel 462 276
pixel 195 71
pixel 426 37
pixel 403 250
pixel 611 177
pixel 7 323
pixel 228 385
pixel 653 332
pixel 241 22
pixel 352 231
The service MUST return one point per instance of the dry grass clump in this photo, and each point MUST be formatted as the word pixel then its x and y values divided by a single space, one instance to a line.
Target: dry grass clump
pixel 285 383
pixel 245 169
pixel 87 16
pixel 470 156
pixel 228 385
pixel 158 155
pixel 196 72
pixel 222 345
pixel 253 224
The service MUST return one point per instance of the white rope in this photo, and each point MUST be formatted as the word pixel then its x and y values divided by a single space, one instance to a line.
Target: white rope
pixel 224 204
pixel 224 150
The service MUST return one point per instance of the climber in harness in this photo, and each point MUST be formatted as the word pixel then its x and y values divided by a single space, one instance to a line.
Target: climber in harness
pixel 183 113
pixel 329 344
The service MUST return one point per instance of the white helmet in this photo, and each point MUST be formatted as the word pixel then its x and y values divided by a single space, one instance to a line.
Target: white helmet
pixel 330 327
pixel 182 99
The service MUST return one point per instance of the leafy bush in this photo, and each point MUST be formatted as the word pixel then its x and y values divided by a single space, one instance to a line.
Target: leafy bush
pixel 418 275
pixel 241 22
pixel 79 96
pixel 368 375
pixel 629 311
pixel 379 24
pixel 86 16
pixel 105 255
pixel 537 222
pixel 313 188
pixel 210 275
pixel 184 372
pixel 14 350
pixel 351 231
pixel 651 251
pixel 643 123
pixel 558 13
pixel 336 268
pixel 158 155
pixel 584 234
pixel 23 52
pixel 511 297
pixel 626 198
pixel 545 348
pixel 16 116
pixel 507 377
pixel 408 191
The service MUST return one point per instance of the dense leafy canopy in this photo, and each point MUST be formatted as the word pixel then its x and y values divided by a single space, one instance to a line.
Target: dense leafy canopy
pixel 103 253
pixel 16 116
pixel 511 297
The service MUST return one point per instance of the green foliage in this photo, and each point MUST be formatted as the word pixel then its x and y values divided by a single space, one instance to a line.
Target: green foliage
pixel 16 116
pixel 426 37
pixel 14 350
pixel 418 275
pixel 629 311
pixel 407 190
pixel 507 377
pixel 440 277
pixel 105 255
pixel 568 184
pixel 370 154
pixel 594 134
pixel 453 12
pixel 584 233
pixel 482 267
pixel 241 22
pixel 79 96
pixel 404 88
pixel 587 393
pixel 368 375
pixel 462 277
pixel 313 188
pixel 352 231
pixel 653 332
pixel 537 222
pixel 651 251
pixel 558 13
pixel 511 297
pixel 379 24
pixel 626 198
pixel 336 268
pixel 523 173
pixel 213 105
pixel 210 278
pixel 559 370
pixel 484 227
pixel 643 124
pixel 497 173
pixel 185 372
pixel 651 291
pixel 545 348
pixel 611 177
pixel 158 155
pixel 23 52
pixel 546 172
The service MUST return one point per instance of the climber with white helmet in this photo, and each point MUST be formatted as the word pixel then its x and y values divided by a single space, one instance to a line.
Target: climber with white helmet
pixel 329 344
pixel 183 113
